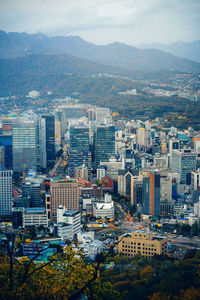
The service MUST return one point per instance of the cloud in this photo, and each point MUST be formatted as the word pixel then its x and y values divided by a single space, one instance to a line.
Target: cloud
pixel 102 21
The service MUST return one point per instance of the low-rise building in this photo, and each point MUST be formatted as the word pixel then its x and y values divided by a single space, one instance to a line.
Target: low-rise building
pixel 141 243
pixel 104 209
pixel 35 217
pixel 71 217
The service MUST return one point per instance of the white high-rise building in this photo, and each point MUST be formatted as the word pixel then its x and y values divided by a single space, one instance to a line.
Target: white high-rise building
pixel 5 192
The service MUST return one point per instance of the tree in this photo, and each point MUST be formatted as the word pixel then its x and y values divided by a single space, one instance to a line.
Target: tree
pixel 65 275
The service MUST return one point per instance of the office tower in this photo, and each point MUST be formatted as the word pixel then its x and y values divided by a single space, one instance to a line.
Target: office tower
pixel 184 161
pixel 65 193
pixel 24 144
pixel 77 159
pixel 136 192
pixel 66 113
pixel 141 137
pixel 2 156
pixel 91 114
pixel 151 194
pixel 165 188
pixel 125 178
pixel 79 138
pixel 195 180
pixel 131 159
pixel 47 141
pixel 173 145
pixel 5 192
pixel 32 190
pixel 58 138
pixel 6 141
pixel 104 143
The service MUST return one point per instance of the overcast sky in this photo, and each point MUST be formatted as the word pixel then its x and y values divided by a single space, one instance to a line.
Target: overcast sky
pixel 105 21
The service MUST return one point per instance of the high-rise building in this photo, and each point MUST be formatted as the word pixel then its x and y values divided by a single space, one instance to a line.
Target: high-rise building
pixel 32 190
pixel 77 159
pixel 65 193
pixel 5 192
pixel 66 113
pixel 151 194
pixel 136 192
pixel 6 141
pixel 2 156
pixel 79 138
pixel 184 161
pixel 57 135
pixel 24 144
pixel 195 180
pixel 47 141
pixel 104 143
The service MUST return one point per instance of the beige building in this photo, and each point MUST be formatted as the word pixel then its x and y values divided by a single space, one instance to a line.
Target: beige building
pixel 82 172
pixel 63 192
pixel 141 243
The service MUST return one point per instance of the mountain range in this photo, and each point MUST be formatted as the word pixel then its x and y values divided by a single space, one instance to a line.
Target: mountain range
pixel 14 47
pixel 190 50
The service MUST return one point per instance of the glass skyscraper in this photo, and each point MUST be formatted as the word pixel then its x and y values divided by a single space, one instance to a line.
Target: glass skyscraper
pixel 47 141
pixel 79 138
pixel 24 144
pixel 104 143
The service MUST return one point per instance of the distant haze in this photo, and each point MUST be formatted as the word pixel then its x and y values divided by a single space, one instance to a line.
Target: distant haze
pixel 105 21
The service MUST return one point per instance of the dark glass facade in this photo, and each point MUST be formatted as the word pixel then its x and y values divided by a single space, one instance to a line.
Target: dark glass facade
pixel 104 143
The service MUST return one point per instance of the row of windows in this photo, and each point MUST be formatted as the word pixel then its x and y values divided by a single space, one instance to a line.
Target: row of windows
pixel 124 247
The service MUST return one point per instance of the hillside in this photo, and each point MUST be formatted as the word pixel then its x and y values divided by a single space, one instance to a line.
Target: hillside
pixel 181 49
pixel 120 55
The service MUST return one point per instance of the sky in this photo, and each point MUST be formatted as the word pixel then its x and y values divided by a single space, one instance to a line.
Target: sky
pixel 133 22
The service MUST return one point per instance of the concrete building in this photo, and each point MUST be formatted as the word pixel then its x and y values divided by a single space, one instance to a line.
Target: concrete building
pixel 35 217
pixel 165 188
pixel 104 209
pixel 195 180
pixel 69 217
pixel 5 192
pixel 81 172
pixel 112 167
pixel 90 246
pixel 101 172
pixel 141 243
pixel 63 192
pixel 64 231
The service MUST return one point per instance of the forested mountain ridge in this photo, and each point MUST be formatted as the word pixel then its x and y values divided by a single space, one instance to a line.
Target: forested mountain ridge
pixel 13 45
